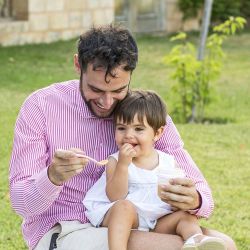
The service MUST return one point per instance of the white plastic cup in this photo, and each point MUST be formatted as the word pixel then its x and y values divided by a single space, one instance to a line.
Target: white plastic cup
pixel 164 177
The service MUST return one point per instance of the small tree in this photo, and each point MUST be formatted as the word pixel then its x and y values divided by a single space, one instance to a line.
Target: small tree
pixel 194 77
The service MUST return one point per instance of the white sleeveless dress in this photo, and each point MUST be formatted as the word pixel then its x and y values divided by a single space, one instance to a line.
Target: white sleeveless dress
pixel 142 192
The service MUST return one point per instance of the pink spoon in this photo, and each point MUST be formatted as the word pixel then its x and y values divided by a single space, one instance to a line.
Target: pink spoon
pixel 100 163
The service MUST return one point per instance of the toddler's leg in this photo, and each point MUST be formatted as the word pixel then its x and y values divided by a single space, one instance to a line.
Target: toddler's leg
pixel 186 226
pixel 120 219
pixel 180 223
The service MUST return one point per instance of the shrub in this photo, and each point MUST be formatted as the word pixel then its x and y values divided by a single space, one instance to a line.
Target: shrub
pixel 194 77
pixel 222 9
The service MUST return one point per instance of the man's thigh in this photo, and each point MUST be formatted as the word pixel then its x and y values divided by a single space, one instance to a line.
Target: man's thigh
pixel 76 236
pixel 139 240
pixel 89 238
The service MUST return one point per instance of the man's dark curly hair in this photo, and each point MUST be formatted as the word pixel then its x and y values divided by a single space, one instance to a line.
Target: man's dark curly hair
pixel 107 47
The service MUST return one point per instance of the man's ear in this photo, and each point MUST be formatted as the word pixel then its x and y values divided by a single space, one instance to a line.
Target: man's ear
pixel 76 64
pixel 159 133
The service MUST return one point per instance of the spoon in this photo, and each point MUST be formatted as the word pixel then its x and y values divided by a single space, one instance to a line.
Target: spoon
pixel 100 163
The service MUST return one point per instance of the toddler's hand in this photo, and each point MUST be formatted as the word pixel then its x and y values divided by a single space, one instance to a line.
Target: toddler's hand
pixel 126 153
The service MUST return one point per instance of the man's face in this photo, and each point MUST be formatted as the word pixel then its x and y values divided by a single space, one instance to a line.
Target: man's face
pixel 101 96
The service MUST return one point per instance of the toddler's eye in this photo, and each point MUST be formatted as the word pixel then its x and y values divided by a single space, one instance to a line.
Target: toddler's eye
pixel 139 129
pixel 120 128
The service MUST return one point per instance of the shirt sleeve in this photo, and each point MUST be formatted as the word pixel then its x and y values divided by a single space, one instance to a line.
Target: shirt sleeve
pixel 31 191
pixel 171 143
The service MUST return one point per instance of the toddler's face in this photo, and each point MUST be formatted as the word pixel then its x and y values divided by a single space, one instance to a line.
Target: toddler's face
pixel 140 135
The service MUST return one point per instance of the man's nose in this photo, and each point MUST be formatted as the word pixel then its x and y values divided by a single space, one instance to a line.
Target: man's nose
pixel 108 100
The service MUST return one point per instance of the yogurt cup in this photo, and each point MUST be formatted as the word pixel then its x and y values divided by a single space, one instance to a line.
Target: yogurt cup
pixel 165 175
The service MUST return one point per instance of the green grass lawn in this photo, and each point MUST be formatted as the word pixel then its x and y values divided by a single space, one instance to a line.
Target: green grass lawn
pixel 221 150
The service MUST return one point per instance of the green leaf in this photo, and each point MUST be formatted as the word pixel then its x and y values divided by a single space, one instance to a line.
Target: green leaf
pixel 179 36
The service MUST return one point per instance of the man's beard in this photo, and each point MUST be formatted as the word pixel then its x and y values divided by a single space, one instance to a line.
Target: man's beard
pixel 109 114
pixel 89 102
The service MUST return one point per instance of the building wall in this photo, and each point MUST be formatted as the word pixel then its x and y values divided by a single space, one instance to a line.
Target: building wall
pixel 39 21
pixel 153 16
pixel 174 20
pixel 44 21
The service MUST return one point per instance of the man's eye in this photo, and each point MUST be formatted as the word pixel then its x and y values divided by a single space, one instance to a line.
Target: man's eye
pixel 119 91
pixel 96 90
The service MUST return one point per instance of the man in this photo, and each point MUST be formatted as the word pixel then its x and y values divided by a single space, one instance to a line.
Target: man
pixel 48 181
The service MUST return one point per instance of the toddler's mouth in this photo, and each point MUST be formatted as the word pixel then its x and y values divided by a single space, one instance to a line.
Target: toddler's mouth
pixel 131 143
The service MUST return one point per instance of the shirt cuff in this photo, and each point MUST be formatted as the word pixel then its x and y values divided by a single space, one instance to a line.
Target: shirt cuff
pixel 45 187
pixel 202 211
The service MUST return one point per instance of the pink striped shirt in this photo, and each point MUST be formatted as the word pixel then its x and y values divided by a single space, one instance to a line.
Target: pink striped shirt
pixel 57 117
